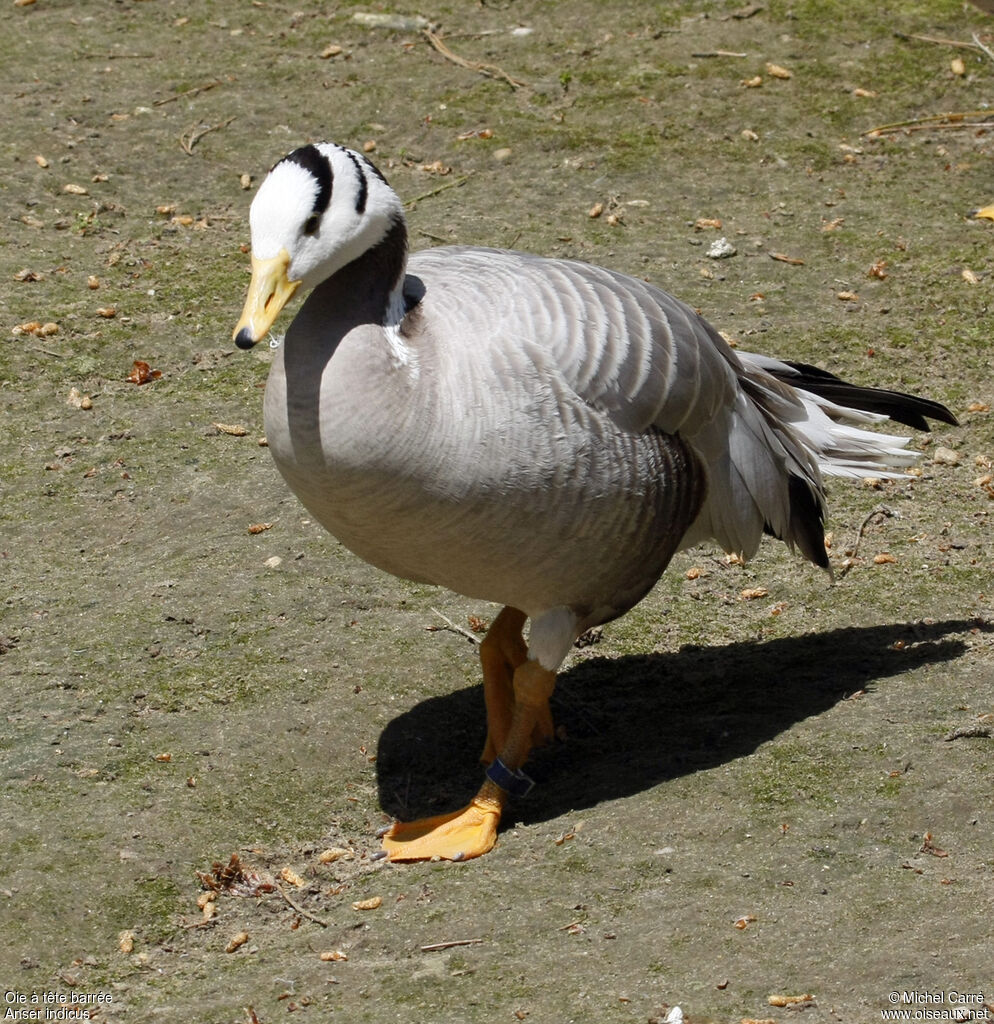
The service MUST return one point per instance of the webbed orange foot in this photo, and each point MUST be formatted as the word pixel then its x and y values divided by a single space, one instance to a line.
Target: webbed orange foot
pixel 461 835
pixel 472 831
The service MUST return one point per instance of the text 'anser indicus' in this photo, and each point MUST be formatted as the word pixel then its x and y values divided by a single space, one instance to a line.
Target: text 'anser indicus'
pixel 536 432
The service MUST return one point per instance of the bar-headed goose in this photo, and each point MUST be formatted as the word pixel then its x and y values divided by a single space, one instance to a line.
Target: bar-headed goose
pixel 536 432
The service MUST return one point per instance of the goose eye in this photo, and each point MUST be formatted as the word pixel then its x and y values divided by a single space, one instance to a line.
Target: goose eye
pixel 311 224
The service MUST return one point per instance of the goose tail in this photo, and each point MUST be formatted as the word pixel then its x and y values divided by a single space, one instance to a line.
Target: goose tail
pixel 792 425
pixel 911 410
pixel 835 415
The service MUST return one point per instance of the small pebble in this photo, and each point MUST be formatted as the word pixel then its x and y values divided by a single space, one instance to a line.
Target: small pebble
pixel 721 249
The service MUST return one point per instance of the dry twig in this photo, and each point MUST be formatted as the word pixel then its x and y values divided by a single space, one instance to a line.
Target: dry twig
pixel 490 70
pixel 47 352
pixel 300 910
pixel 451 625
pixel 434 946
pixel 884 511
pixel 938 121
pixel 958 43
pixel 188 93
pixel 192 137
pixel 209 923
pixel 455 183
pixel 986 50
pixel 121 56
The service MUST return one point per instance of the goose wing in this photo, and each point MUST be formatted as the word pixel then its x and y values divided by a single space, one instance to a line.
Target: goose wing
pixel 646 362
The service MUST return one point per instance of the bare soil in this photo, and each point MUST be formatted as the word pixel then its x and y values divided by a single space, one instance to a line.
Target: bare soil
pixel 782 793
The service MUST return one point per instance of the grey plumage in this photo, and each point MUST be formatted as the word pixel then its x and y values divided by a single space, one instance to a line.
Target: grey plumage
pixel 540 433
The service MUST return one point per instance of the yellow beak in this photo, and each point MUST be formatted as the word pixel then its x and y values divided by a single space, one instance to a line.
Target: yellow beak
pixel 269 291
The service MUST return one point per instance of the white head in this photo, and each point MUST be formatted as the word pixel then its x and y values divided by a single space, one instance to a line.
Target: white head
pixel 319 208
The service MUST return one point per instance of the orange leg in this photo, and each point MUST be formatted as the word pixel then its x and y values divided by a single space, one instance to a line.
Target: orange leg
pixel 472 831
pixel 502 651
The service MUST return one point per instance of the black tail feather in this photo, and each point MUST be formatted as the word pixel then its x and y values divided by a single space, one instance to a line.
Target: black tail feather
pixel 908 409
pixel 807 522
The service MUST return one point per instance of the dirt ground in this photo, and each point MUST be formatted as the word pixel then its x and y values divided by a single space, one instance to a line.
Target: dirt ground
pixel 783 793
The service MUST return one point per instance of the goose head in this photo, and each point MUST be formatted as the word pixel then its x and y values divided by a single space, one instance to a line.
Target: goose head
pixel 319 209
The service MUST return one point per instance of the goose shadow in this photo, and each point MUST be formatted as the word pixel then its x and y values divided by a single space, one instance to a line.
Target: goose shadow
pixel 634 721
